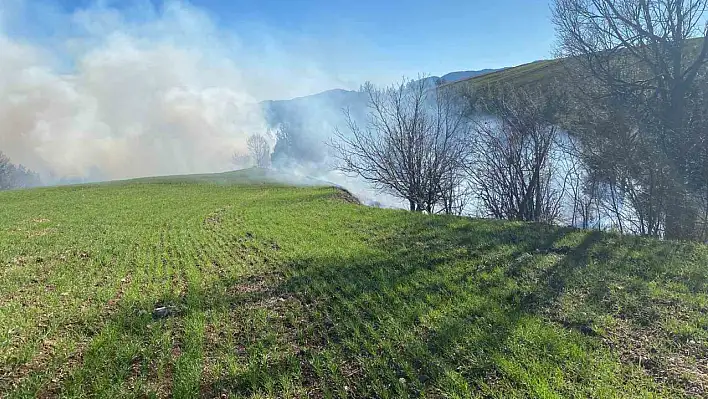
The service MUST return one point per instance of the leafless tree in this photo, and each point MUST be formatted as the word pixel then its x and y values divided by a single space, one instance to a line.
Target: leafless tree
pixel 412 145
pixel 619 152
pixel 700 164
pixel 259 150
pixel 16 176
pixel 518 145
pixel 641 54
pixel 26 178
pixel 456 192
pixel 6 172
pixel 286 145
pixel 583 190
pixel 241 160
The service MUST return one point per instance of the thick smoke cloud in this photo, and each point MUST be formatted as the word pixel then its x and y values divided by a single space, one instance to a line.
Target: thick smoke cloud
pixel 107 96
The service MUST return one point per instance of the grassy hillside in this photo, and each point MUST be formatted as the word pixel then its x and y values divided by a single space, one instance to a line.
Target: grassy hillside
pixel 534 72
pixel 538 72
pixel 219 286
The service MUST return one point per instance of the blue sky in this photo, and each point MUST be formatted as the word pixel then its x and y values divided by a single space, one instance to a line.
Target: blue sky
pixel 394 37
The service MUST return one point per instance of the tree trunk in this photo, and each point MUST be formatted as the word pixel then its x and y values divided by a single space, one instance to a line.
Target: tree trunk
pixel 680 214
pixel 681 217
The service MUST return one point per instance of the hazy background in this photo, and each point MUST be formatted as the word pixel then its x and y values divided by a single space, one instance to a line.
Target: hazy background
pixel 108 90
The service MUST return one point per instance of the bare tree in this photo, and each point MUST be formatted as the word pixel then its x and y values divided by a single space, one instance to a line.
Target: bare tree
pixel 517 174
pixel 259 150
pixel 619 151
pixel 700 162
pixel 642 55
pixel 583 190
pixel 413 144
pixel 456 192
pixel 241 160
pixel 16 176
pixel 6 172
pixel 26 178
pixel 286 144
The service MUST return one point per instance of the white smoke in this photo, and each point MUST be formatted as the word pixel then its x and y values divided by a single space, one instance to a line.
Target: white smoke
pixel 112 98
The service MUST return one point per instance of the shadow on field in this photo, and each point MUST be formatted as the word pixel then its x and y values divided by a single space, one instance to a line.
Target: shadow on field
pixel 427 308
pixel 433 306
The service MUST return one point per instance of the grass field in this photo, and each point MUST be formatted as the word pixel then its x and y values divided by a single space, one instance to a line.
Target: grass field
pixel 270 291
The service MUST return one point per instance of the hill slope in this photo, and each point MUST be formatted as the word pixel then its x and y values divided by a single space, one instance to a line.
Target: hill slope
pixel 532 72
pixel 459 75
pixel 542 70
pixel 223 286
pixel 312 120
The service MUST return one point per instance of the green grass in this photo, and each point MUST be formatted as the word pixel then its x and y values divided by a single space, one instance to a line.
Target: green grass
pixel 277 291
pixel 543 71
pixel 531 73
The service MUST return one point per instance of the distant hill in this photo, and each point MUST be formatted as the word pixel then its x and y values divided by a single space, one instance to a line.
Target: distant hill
pixel 313 119
pixel 455 76
pixel 278 111
pixel 526 73
pixel 533 72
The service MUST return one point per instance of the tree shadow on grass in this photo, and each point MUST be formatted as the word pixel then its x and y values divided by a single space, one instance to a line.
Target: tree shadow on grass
pixel 386 320
pixel 437 307
pixel 444 306
pixel 432 307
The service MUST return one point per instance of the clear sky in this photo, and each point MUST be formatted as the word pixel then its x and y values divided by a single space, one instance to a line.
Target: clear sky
pixel 398 36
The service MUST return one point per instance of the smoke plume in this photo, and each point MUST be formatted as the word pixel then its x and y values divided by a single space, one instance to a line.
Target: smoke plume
pixel 114 94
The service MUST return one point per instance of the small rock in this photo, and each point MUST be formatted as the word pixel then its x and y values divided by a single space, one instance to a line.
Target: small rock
pixel 163 312
pixel 587 330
